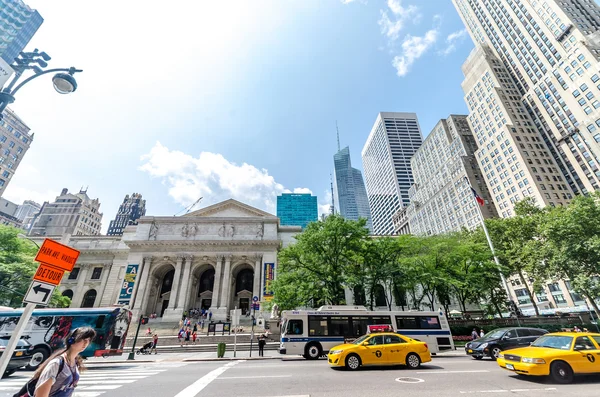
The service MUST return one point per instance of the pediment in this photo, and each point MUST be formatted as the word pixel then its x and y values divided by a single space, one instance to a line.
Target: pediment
pixel 230 209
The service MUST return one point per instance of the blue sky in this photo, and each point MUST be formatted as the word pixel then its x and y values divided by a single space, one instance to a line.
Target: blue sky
pixel 239 99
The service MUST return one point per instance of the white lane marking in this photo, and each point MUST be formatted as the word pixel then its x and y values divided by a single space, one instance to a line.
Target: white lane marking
pixel 98 387
pixel 104 382
pixel 196 387
pixel 506 391
pixel 254 377
pixel 87 393
pixel 452 372
pixel 410 380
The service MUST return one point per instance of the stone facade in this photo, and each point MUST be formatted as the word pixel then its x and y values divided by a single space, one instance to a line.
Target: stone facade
pixel 213 258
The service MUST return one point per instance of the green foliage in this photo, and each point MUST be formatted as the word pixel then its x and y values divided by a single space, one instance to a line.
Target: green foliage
pixel 17 268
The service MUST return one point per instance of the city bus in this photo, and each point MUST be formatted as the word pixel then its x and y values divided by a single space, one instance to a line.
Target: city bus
pixel 47 329
pixel 311 333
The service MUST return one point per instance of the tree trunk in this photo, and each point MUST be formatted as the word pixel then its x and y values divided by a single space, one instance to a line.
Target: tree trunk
pixel 495 304
pixel 537 312
pixel 595 306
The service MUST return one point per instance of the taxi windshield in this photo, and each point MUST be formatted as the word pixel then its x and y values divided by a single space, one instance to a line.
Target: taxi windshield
pixel 554 342
pixel 361 339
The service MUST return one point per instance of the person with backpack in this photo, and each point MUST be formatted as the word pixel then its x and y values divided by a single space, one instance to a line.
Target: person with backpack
pixel 261 345
pixel 59 374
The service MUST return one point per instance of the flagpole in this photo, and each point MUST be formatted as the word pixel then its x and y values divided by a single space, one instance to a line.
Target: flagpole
pixel 489 240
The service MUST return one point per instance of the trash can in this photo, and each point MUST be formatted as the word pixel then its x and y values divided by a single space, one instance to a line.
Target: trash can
pixel 220 350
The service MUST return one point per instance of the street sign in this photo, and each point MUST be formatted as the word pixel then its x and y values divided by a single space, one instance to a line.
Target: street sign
pixel 255 299
pixel 58 255
pixel 39 293
pixel 48 274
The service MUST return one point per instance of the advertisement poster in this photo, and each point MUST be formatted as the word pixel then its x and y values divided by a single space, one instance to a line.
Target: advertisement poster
pixel 269 276
pixel 128 283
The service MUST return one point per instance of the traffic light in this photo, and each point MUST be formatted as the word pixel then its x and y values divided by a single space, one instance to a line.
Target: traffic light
pixel 144 320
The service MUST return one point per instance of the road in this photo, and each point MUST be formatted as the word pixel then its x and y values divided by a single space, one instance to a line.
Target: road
pixel 448 376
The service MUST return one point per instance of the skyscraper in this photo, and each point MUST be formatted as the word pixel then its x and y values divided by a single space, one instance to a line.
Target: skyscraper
pixel 27 212
pixel 131 209
pixel 297 209
pixel 512 154
pixel 394 139
pixel 70 213
pixel 18 23
pixel 445 169
pixel 14 143
pixel 550 51
pixel 351 199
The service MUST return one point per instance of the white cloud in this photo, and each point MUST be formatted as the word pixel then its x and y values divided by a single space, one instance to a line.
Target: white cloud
pixel 213 177
pixel 325 205
pixel 413 47
pixel 391 27
pixel 452 41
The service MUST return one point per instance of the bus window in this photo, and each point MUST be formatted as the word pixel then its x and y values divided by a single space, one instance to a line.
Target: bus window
pixel 380 320
pixel 406 322
pixel 317 326
pixel 427 322
pixel 359 325
pixel 100 321
pixel 294 327
pixel 339 326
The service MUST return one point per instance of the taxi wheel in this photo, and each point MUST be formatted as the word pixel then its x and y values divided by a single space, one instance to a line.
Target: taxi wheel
pixel 353 362
pixel 561 372
pixel 413 361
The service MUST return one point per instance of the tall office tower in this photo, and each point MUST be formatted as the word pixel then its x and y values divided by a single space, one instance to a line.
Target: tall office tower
pixel 394 139
pixel 512 154
pixel 8 210
pixel 74 214
pixel 297 209
pixel 351 199
pixel 27 212
pixel 15 139
pixel 18 23
pixel 131 209
pixel 550 51
pixel 445 169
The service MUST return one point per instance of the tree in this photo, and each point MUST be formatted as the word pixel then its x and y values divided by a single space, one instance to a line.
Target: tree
pixel 17 268
pixel 571 245
pixel 380 267
pixel 323 258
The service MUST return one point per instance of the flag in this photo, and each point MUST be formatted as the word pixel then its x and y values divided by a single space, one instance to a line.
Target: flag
pixel 478 198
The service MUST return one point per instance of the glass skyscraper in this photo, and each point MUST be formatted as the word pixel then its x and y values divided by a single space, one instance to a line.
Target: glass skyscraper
pixel 131 209
pixel 350 194
pixel 18 24
pixel 394 139
pixel 297 209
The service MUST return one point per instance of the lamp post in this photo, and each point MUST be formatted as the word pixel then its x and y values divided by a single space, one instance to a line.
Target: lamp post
pixel 63 80
pixel 21 235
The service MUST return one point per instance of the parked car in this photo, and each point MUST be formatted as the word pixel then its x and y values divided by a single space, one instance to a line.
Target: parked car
pixel 20 357
pixel 502 339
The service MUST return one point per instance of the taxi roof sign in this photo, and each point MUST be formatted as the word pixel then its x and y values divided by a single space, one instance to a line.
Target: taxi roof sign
pixel 58 255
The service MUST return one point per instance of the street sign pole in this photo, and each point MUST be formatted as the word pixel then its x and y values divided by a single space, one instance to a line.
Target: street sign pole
pixel 235 319
pixel 16 335
pixel 132 354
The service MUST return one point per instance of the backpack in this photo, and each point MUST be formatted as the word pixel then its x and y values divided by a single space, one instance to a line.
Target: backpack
pixel 28 389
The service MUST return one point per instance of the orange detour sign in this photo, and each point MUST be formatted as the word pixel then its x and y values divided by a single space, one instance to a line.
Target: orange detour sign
pixel 57 255
pixel 48 274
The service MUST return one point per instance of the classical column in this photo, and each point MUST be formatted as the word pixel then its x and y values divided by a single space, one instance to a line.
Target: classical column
pixel 257 273
pixel 81 278
pixel 217 285
pixel 105 272
pixel 142 271
pixel 175 287
pixel 145 286
pixel 224 302
pixel 185 283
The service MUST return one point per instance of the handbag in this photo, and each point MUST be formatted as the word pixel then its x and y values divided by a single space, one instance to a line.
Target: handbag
pixel 28 389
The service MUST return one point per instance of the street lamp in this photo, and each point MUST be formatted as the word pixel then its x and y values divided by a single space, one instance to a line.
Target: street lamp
pixel 21 235
pixel 63 81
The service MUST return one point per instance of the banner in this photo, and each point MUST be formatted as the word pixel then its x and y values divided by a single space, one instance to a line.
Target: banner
pixel 128 283
pixel 269 276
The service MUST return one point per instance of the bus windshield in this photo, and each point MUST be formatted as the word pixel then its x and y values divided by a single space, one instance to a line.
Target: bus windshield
pixel 284 324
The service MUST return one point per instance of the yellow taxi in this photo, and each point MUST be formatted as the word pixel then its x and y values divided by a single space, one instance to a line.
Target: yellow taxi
pixel 561 355
pixel 385 348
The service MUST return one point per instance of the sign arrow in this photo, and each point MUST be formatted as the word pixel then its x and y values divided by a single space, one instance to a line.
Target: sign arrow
pixel 38 288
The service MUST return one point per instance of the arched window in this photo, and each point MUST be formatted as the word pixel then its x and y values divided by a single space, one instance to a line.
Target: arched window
pixel 89 298
pixel 207 281
pixel 379 294
pixel 359 295
pixel 68 293
pixel 167 282
pixel 244 280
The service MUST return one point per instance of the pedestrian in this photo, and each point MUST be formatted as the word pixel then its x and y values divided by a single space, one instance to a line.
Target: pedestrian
pixel 59 374
pixel 195 327
pixel 474 334
pixel 202 323
pixel 209 316
pixel 188 333
pixel 261 345
pixel 181 336
pixel 154 343
pixel 481 333
pixel 194 335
